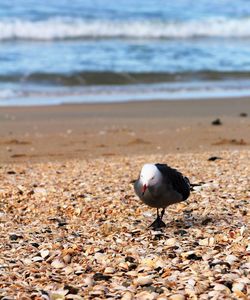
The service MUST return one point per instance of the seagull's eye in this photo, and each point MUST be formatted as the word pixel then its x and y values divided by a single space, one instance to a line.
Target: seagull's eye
pixel 152 178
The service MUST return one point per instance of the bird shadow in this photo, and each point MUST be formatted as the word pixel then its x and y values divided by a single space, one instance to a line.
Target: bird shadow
pixel 181 226
pixel 193 220
pixel 188 220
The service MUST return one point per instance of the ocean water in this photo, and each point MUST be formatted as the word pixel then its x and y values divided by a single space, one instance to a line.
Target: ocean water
pixel 64 51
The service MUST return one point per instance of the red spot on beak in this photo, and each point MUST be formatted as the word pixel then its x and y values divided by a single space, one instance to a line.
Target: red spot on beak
pixel 144 189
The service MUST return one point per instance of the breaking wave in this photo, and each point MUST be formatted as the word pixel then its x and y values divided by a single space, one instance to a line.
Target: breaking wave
pixel 6 94
pixel 67 28
pixel 120 78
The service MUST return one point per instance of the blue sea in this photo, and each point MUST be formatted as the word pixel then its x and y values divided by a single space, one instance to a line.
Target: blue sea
pixel 54 52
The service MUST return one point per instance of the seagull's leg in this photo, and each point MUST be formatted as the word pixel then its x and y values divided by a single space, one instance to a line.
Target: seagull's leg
pixel 162 213
pixel 158 223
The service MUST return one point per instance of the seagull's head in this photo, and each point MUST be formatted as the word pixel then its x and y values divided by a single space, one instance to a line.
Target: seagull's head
pixel 149 176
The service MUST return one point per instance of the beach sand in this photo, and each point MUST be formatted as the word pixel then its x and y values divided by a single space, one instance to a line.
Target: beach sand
pixel 94 130
pixel 72 227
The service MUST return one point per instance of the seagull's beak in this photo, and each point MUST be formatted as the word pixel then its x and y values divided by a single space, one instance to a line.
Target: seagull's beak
pixel 144 189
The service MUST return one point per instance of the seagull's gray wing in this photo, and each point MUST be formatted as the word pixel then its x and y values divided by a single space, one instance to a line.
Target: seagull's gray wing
pixel 173 177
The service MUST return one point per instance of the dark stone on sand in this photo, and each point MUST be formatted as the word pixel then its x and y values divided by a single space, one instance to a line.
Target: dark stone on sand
pixel 81 196
pixel 221 263
pixel 206 221
pixel 11 172
pixel 72 290
pixel 158 269
pixel 150 288
pixel 14 237
pixel 172 255
pixel 44 293
pixel 132 266
pixel 126 283
pixel 20 192
pixel 213 158
pixel 18 155
pixel 228 284
pixel 88 269
pixel 30 193
pixel 159 290
pixel 100 251
pixel 193 256
pixel 181 232
pixel 62 223
pixel 100 276
pixel 47 230
pixel 130 259
pixel 244 115
pixel 217 122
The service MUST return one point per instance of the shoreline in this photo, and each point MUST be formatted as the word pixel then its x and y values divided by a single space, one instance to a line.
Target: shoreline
pixel 242 101
pixel 49 95
pixel 82 131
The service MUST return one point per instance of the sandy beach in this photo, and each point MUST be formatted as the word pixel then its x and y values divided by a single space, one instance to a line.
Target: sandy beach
pixel 72 227
pixel 93 130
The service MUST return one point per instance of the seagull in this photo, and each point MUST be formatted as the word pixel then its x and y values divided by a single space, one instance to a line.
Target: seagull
pixel 159 186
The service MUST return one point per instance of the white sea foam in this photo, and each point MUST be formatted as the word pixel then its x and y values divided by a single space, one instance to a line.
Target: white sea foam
pixel 59 28
pixel 6 93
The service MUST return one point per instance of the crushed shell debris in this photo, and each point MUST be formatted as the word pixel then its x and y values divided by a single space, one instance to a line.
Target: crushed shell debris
pixel 75 230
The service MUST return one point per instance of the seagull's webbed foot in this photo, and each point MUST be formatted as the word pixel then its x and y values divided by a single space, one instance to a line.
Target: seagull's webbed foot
pixel 158 223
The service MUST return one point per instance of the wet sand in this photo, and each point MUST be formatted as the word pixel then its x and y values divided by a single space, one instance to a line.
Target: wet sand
pixel 93 130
